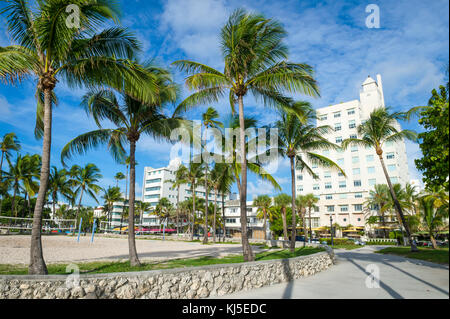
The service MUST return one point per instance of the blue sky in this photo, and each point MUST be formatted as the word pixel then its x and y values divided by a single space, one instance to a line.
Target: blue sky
pixel 410 50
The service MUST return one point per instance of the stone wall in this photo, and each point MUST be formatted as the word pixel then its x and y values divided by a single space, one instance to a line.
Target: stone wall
pixel 191 283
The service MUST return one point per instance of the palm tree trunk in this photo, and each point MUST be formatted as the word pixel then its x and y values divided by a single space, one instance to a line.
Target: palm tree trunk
pixel 397 203
pixel 223 217
pixel 134 260
pixel 37 263
pixel 215 212
pixel 205 237
pixel 305 233
pixel 310 228
pixel 193 211
pixel 1 177
pixel 294 219
pixel 79 204
pixel 433 241
pixel 178 212
pixel 283 217
pixel 13 202
pixel 247 249
pixel 265 223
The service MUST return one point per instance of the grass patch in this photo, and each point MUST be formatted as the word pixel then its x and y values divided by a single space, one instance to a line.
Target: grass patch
pixel 112 267
pixel 346 246
pixel 439 255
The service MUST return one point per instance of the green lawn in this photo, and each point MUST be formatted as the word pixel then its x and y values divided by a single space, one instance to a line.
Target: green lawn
pixel 439 255
pixel 346 246
pixel 111 267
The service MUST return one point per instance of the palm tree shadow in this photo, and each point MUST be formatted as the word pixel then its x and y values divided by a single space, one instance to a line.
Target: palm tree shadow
pixel 287 294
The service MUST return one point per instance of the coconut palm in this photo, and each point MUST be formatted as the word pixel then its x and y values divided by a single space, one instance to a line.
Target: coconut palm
pixel 8 143
pixel 255 59
pixel 164 210
pixel 194 175
pixel 85 180
pixel 50 50
pixel 378 198
pixel 263 203
pixel 119 177
pixel 299 140
pixel 224 182
pixel 141 208
pixel 130 120
pixel 311 201
pixel 180 179
pixel 21 176
pixel 433 209
pixel 59 183
pixel 209 119
pixel 382 127
pixel 110 196
pixel 301 203
pixel 283 201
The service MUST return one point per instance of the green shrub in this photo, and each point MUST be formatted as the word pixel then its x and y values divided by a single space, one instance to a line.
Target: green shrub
pixel 337 241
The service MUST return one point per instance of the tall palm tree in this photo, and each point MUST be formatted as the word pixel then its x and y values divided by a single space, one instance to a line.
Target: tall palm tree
pixel 59 183
pixel 255 59
pixel 382 127
pixel 164 210
pixel 225 181
pixel 194 175
pixel 119 177
pixel 299 140
pixel 263 203
pixel 141 208
pixel 311 201
pixel 110 196
pixel 50 50
pixel 85 180
pixel 283 201
pixel 301 203
pixel 8 143
pixel 209 119
pixel 130 120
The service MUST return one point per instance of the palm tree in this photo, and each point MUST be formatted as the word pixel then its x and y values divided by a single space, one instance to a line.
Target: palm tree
pixel 119 177
pixel 301 203
pixel 194 176
pixel 263 203
pixel 164 210
pixel 59 183
pixel 299 139
pixel 21 176
pixel 209 119
pixel 311 201
pixel 84 181
pixel 283 201
pixel 223 182
pixel 382 127
pixel 180 179
pixel 378 198
pixel 142 207
pixel 50 51
pixel 110 196
pixel 255 60
pixel 131 120
pixel 7 144
pixel 433 210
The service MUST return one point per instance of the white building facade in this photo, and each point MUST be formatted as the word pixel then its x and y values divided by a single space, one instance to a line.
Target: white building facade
pixel 343 196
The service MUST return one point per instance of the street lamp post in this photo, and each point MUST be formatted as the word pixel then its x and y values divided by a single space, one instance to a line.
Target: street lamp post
pixel 331 229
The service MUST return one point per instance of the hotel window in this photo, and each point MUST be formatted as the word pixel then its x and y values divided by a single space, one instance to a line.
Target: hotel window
pixel 323 117
pixel 358 207
pixel 356 171
pixel 327 174
pixel 342 184
pixel 328 186
pixel 344 208
pixel 299 177
pixel 340 162
pixel 358 195
pixel 392 168
pixel 151 181
pixel 390 155
pixel 354 148
pixel 330 208
pixel 314 166
pixel 342 196
pixel 339 139
pixel 337 115
pixel 355 159
pixel 316 187
pixel 394 180
pixel 337 127
pixel 353 136
pixel 151 196
pixel 369 158
pixel 340 174
pixel 345 219
pixel 351 111
pixel 328 197
pixel 372 181
pixel 357 183
pixel 371 170
pixel 316 209
pixel 359 219
pixel 352 124
pixel 300 188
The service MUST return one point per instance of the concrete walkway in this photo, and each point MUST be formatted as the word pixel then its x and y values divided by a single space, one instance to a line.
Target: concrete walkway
pixel 398 278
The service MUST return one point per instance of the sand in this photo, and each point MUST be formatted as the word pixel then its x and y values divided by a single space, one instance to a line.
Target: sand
pixel 62 249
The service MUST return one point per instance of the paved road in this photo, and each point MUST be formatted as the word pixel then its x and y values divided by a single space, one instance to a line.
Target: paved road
pixel 399 278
